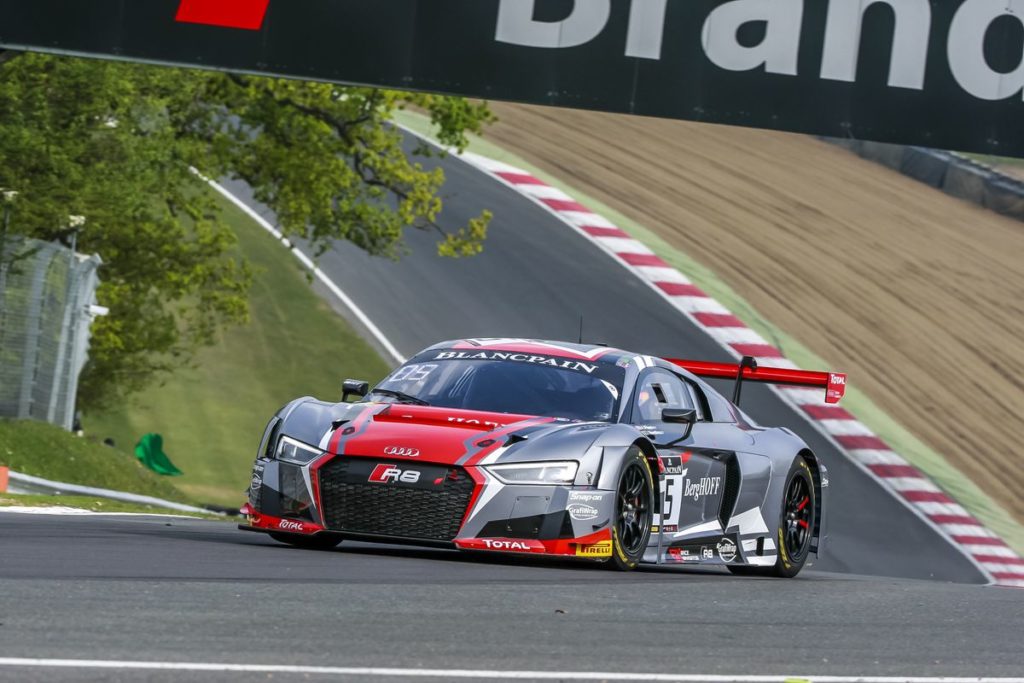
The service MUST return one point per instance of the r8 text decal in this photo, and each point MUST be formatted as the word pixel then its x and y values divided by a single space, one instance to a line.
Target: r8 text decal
pixel 385 474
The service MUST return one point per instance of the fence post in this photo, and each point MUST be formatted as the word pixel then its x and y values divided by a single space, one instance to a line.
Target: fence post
pixel 60 373
pixel 6 196
pixel 80 327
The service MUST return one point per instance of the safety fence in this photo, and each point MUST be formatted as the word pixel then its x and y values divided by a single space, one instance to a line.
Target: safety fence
pixel 47 303
pixel 954 174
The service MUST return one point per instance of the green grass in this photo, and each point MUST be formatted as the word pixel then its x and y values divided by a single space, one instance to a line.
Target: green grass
pixel 212 416
pixel 92 504
pixel 993 160
pixel 43 450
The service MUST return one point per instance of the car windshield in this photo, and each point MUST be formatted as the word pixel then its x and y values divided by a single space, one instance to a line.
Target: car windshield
pixel 524 384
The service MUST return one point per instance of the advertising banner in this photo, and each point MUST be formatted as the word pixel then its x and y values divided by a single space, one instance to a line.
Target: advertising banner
pixel 938 73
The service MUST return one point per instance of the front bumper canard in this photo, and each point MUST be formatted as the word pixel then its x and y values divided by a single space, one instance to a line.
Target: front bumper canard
pixel 597 546
pixel 259 521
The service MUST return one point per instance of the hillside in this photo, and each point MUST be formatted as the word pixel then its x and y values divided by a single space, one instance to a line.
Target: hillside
pixel 212 415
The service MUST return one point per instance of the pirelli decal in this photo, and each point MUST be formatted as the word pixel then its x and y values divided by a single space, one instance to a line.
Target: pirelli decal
pixel 600 549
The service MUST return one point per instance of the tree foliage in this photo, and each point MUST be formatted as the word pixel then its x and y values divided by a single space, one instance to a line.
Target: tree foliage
pixel 115 143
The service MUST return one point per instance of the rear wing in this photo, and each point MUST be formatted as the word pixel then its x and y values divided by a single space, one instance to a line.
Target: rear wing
pixel 833 383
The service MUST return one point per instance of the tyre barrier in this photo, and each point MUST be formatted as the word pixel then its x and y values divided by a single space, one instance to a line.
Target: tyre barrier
pixel 950 172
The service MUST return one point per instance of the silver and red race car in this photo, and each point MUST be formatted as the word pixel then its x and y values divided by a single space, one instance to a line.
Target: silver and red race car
pixel 548 448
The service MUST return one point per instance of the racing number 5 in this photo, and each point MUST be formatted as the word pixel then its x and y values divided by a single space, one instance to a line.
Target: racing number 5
pixel 670 512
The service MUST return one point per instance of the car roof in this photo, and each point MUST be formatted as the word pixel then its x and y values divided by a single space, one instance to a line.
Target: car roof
pixel 633 362
pixel 577 351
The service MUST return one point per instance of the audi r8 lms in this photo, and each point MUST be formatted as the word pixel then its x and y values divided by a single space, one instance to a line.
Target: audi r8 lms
pixel 548 448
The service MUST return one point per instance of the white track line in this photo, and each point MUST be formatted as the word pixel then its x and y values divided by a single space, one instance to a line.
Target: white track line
pixel 477 673
pixel 312 267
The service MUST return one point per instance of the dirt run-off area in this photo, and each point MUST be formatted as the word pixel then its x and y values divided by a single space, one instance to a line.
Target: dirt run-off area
pixel 918 296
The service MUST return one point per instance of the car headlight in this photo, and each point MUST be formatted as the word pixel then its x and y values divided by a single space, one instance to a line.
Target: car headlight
pixel 560 472
pixel 290 450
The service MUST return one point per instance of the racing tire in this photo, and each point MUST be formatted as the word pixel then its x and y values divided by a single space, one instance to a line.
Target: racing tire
pixel 634 512
pixel 318 542
pixel 796 526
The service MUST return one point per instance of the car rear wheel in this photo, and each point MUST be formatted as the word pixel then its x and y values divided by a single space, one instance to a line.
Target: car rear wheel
pixel 796 526
pixel 318 542
pixel 634 510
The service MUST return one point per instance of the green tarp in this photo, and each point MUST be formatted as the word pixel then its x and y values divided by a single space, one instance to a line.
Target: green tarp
pixel 150 452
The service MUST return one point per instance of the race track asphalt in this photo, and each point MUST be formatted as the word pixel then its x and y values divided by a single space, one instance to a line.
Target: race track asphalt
pixel 536 277
pixel 162 589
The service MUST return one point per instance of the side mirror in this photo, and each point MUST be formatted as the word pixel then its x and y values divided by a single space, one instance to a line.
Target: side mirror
pixel 679 416
pixel 354 387
pixel 682 416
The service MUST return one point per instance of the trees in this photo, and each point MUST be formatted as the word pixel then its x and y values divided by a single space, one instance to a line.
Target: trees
pixel 115 142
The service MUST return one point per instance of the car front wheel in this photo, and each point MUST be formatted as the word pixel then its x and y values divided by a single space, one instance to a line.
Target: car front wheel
pixel 634 510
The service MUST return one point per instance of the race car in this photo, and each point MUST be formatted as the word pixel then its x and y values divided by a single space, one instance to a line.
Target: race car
pixel 549 448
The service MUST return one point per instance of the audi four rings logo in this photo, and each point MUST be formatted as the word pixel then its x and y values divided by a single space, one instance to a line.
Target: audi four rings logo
pixel 402 451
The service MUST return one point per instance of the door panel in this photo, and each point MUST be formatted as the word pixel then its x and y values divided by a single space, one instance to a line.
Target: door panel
pixel 693 487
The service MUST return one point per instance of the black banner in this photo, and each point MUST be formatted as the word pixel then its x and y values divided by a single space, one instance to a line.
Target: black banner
pixel 938 73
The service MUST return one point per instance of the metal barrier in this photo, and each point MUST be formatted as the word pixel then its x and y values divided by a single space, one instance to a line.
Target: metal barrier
pixel 47 303
pixel 953 173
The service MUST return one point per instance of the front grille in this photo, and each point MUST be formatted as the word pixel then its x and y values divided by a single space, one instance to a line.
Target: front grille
pixel 428 511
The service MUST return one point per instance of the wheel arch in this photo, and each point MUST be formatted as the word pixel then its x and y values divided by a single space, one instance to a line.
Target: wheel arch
pixel 308 419
pixel 651 454
pixel 819 498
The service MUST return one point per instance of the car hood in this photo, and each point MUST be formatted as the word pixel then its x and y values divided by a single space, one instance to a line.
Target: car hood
pixel 426 433
pixel 449 436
